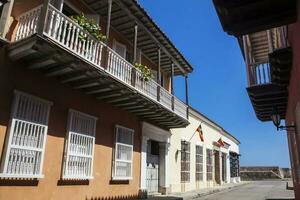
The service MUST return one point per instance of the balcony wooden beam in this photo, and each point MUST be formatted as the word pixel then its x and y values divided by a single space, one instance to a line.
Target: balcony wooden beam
pixel 108 20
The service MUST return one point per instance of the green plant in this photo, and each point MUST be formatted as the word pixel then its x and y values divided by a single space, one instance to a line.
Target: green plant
pixel 90 26
pixel 146 72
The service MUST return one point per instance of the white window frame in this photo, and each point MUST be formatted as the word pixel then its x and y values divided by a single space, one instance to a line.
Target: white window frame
pixel 114 176
pixel 187 161
pixel 209 165
pixel 199 163
pixel 87 152
pixel 31 138
pixel 115 43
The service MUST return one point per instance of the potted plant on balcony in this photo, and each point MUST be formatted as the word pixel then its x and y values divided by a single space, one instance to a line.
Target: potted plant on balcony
pixel 90 26
pixel 146 71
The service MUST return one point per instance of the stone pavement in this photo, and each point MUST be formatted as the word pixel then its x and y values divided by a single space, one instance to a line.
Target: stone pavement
pixel 207 191
pixel 197 193
pixel 257 190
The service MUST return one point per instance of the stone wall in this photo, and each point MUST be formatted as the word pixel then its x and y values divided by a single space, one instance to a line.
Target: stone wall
pixel 264 172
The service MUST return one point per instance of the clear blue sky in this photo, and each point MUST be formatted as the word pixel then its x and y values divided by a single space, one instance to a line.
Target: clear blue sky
pixel 218 83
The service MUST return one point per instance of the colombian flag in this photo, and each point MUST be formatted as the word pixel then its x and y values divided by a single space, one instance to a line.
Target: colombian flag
pixel 199 130
pixel 221 142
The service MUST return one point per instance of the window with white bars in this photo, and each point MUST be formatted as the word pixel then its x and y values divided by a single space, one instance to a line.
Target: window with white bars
pixel 185 161
pixel 27 132
pixel 123 154
pixel 209 164
pixel 79 148
pixel 199 163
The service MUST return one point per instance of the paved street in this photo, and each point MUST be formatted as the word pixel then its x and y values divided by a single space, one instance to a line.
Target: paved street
pixel 259 190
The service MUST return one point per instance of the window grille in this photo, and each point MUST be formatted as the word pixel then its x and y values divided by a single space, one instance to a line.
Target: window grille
pixel 185 161
pixel 234 164
pixel 209 165
pixel 199 163
pixel 27 132
pixel 79 148
pixel 123 153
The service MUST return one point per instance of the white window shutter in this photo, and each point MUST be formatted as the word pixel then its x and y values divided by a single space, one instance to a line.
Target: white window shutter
pixel 79 148
pixel 120 49
pixel 25 146
pixel 123 153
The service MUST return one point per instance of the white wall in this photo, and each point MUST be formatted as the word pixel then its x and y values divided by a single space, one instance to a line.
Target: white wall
pixel 212 133
pixel 151 132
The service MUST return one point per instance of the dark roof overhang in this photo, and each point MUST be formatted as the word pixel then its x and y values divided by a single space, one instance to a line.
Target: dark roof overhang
pixel 127 13
pixel 240 17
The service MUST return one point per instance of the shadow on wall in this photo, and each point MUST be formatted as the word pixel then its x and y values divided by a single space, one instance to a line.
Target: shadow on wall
pixel 129 197
pixel 22 182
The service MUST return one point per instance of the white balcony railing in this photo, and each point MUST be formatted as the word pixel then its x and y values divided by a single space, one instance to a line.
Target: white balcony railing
pixel 260 73
pixel 67 34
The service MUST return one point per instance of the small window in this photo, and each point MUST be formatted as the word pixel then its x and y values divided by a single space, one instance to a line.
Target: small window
pixel 154 75
pixel 123 154
pixel 120 49
pixel 69 10
pixel 185 161
pixel 79 146
pixel 25 147
pixel 209 165
pixel 139 56
pixel 162 80
pixel 234 164
pixel 199 163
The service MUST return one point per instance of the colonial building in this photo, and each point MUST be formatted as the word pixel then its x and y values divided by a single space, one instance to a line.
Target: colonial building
pixel 269 35
pixel 81 117
pixel 202 155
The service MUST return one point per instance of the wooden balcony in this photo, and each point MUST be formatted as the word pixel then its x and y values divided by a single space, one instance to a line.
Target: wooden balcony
pixel 57 50
pixel 267 71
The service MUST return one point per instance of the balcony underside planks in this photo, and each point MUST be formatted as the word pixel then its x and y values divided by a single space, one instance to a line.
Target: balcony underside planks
pixel 54 61
pixel 265 97
pixel 240 17
pixel 281 65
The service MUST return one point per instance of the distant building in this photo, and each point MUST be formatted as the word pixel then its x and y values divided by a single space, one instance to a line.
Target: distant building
pixel 202 155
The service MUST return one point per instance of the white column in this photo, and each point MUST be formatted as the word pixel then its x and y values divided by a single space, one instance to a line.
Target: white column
pixel 164 167
pixel 143 185
pixel 228 168
pixel 221 166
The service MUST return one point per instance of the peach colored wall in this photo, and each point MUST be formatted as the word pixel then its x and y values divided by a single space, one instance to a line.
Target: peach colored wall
pixel 16 76
pixel 294 98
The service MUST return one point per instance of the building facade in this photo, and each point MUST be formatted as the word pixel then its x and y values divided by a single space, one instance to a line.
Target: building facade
pixel 202 155
pixel 268 34
pixel 78 117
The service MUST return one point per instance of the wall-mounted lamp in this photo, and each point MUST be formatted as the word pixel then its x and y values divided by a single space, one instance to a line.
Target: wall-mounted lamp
pixel 276 119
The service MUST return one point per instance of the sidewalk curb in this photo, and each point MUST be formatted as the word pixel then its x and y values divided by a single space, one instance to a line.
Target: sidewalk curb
pixel 213 191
